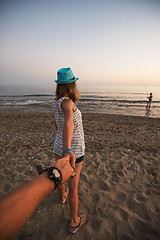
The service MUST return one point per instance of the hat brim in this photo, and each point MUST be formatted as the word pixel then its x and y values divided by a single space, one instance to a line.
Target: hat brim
pixel 66 81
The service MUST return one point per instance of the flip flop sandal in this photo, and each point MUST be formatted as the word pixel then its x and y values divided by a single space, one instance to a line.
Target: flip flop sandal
pixel 76 228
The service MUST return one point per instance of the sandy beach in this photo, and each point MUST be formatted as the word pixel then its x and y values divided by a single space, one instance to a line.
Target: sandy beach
pixel 119 187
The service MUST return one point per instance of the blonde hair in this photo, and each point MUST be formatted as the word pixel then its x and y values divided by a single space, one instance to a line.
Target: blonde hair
pixel 69 90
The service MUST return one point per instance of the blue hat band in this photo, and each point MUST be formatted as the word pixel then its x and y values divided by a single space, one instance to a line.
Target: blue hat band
pixel 66 81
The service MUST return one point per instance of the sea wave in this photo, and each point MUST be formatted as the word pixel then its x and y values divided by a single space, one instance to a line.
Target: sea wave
pixel 113 100
pixel 30 95
pixel 20 103
pixel 47 101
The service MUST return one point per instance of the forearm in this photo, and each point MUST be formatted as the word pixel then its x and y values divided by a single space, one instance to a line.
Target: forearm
pixel 67 134
pixel 18 206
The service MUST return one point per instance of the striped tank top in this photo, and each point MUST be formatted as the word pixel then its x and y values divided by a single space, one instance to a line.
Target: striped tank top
pixel 78 144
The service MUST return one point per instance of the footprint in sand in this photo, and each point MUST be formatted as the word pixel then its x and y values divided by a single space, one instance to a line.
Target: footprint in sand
pixel 95 198
pixel 85 182
pixel 123 214
pixel 96 223
pixel 139 197
pixel 119 197
pixel 142 227
pixel 138 209
pixel 101 185
pixel 102 213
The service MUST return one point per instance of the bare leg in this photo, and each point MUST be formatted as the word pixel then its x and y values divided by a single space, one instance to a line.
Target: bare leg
pixel 149 105
pixel 63 194
pixel 73 197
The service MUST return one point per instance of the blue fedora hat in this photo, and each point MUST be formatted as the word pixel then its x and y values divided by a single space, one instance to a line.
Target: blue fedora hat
pixel 65 76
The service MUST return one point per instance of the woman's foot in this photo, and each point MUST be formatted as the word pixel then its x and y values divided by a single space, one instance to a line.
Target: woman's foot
pixel 64 198
pixel 75 225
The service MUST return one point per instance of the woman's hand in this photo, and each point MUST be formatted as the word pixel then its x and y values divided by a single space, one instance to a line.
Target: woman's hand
pixel 71 157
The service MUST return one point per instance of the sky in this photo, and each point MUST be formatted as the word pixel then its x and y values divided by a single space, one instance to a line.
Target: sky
pixel 104 42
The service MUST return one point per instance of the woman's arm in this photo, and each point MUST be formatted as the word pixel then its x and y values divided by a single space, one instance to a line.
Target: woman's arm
pixel 68 108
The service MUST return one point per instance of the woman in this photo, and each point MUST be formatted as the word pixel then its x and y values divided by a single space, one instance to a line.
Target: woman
pixel 69 139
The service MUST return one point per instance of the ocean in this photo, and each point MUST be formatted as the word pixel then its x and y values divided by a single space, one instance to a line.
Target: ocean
pixel 122 100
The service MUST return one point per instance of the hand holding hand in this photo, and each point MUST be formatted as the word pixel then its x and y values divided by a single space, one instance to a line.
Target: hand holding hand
pixel 65 167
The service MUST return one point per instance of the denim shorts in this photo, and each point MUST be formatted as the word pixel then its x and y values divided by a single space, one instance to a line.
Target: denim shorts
pixel 80 159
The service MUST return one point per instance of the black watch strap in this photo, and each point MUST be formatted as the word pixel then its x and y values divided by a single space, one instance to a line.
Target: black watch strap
pixel 52 176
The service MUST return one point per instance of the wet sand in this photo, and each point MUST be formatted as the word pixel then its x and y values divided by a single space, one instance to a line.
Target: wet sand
pixel 119 187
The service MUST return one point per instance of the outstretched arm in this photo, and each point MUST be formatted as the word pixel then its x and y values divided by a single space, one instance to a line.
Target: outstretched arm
pixel 17 206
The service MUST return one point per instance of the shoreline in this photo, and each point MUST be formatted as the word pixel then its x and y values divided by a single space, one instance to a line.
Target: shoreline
pixel 41 108
pixel 50 111
pixel 119 183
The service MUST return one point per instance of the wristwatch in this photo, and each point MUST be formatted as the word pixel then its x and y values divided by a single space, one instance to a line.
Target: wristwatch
pixel 54 174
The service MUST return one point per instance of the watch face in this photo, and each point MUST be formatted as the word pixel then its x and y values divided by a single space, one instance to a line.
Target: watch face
pixel 56 173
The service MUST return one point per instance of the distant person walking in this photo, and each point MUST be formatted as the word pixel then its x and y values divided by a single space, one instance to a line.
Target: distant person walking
pixel 149 101
pixel 69 139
